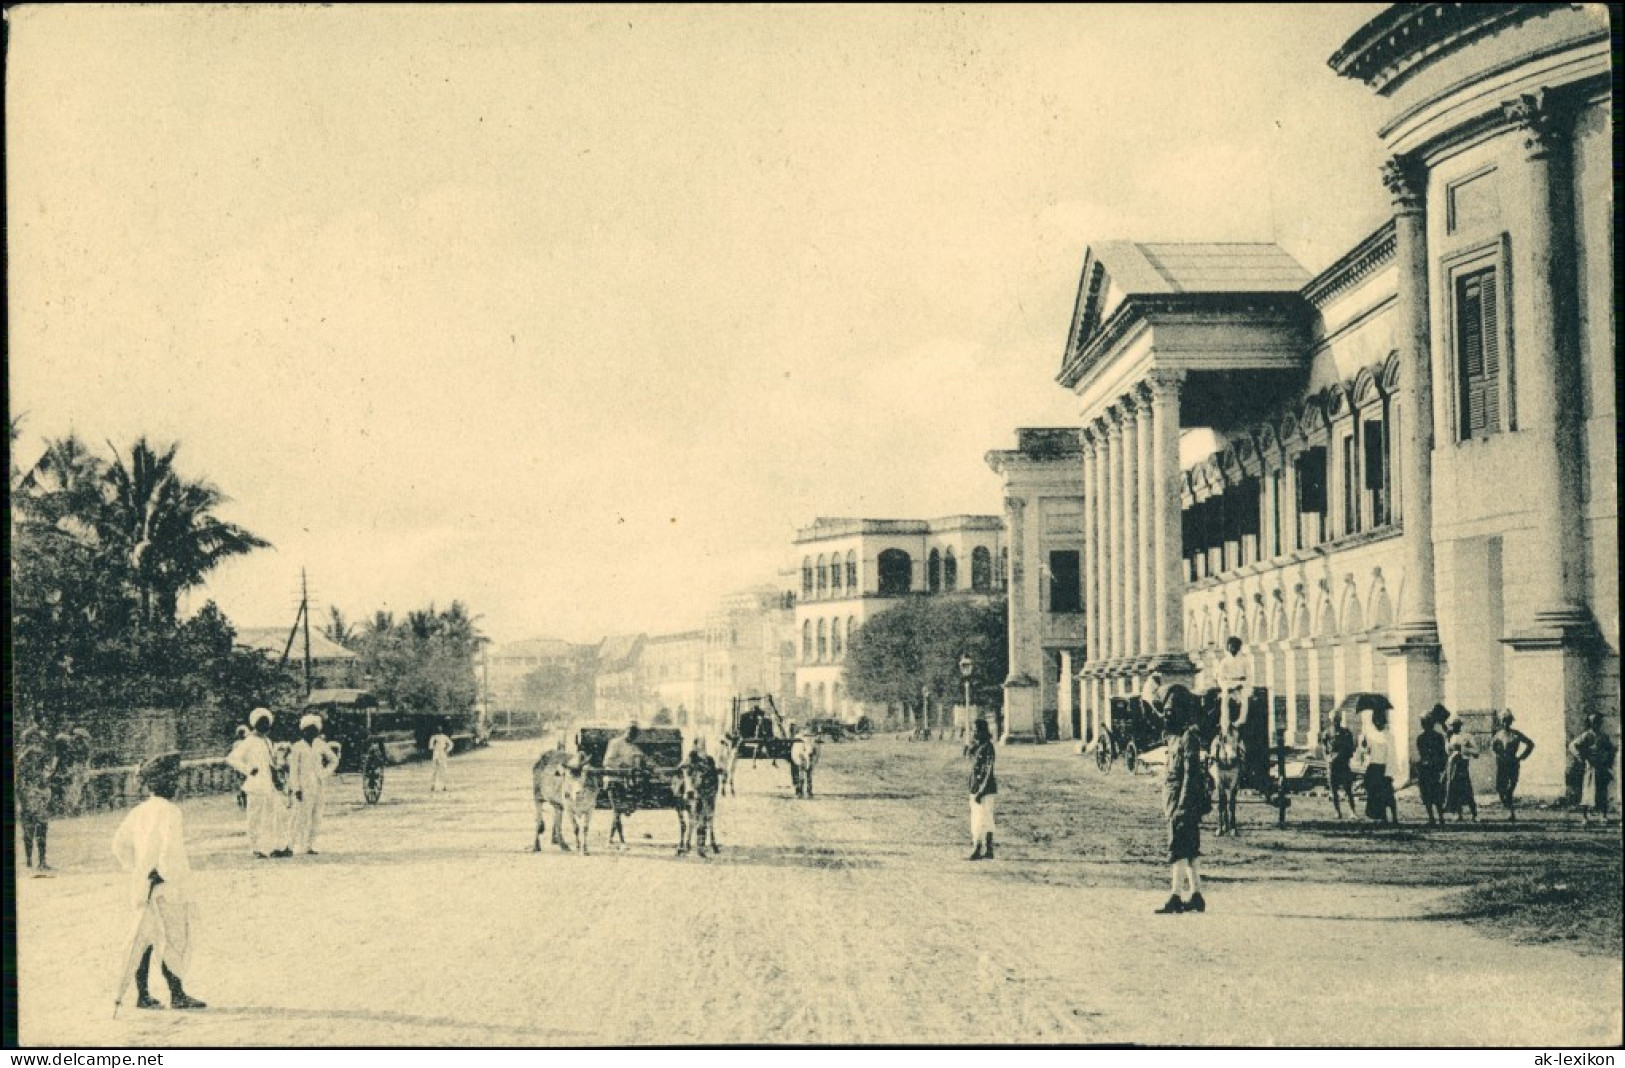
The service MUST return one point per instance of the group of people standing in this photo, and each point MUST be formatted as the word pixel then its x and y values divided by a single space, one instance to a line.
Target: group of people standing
pixel 52 777
pixel 283 794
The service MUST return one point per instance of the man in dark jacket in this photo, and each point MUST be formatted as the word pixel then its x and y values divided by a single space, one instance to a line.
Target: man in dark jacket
pixel 984 791
pixel 1186 799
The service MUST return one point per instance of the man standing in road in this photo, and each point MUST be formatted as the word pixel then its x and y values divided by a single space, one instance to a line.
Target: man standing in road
pixel 439 751
pixel 151 845
pixel 253 759
pixel 310 762
pixel 623 761
pixel 984 791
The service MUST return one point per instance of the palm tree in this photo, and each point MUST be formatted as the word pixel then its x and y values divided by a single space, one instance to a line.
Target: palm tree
pixel 338 629
pixel 165 529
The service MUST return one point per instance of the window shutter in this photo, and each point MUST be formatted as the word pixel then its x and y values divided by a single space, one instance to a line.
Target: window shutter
pixel 1491 343
pixel 1375 454
pixel 1479 353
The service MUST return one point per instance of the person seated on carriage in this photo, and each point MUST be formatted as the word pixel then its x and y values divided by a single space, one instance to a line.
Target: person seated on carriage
pixel 623 753
pixel 1154 697
pixel 1233 674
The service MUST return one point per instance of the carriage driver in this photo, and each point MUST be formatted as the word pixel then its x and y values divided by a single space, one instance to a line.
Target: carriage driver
pixel 1153 696
pixel 623 753
pixel 1235 689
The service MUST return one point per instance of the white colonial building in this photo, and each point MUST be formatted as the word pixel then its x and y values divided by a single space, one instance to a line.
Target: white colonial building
pixel 1415 489
pixel 854 569
pixel 1043 515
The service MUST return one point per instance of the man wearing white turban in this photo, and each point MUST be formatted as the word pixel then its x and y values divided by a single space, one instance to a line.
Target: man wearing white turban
pixel 310 762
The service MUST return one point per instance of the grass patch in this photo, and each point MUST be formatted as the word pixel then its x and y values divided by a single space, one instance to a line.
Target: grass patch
pixel 1580 908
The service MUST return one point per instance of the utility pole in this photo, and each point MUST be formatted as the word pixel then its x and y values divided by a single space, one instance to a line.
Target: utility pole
pixel 304 610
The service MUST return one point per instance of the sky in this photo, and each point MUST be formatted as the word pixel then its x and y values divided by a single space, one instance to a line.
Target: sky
pixel 577 314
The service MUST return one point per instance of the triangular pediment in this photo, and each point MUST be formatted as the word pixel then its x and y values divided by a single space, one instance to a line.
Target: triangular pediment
pixel 1117 273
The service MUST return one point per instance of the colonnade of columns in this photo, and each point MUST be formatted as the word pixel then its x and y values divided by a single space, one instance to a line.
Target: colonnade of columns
pixel 1134 582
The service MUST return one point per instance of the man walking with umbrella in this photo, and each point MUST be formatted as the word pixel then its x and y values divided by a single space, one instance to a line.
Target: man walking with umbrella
pixel 151 845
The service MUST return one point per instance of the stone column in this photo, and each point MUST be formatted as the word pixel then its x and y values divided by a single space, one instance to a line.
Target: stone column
pixel 1550 674
pixel 1544 356
pixel 1413 645
pixel 1020 687
pixel 1063 698
pixel 1091 590
pixel 1168 533
pixel 1109 603
pixel 1407 181
pixel 1146 495
pixel 1130 583
pixel 1091 550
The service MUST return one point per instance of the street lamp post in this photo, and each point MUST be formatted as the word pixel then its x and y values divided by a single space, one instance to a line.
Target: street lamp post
pixel 966 666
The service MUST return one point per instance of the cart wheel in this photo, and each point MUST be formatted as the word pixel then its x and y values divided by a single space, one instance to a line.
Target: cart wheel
pixel 1131 757
pixel 1103 757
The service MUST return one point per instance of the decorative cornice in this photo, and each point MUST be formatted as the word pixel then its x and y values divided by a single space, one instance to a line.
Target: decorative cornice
pixel 1369 256
pixel 1139 308
pixel 1406 37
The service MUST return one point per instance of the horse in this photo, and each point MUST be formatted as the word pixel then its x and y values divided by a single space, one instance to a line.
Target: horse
pixel 1227 760
pixel 547 781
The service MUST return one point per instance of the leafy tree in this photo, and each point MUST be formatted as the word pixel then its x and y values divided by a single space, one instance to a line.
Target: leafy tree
pixel 94 591
pixel 913 650
pixel 338 630
pixel 562 686
pixel 424 665
pixel 164 528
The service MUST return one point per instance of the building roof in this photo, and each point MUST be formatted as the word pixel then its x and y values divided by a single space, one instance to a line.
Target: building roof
pixel 828 527
pixel 534 648
pixel 1124 280
pixel 343 696
pixel 617 653
pixel 1139 268
pixel 273 640
pixel 679 636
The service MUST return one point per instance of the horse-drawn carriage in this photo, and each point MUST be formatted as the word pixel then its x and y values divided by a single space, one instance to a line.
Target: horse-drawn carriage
pixel 1137 733
pixel 758 729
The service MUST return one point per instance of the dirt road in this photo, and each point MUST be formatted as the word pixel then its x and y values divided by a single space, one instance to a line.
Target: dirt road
pixel 851 918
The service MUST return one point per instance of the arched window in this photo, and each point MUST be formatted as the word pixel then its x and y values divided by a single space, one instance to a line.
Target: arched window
pixel 981 569
pixel 823 641
pixel 835 573
pixel 950 570
pixel 806 642
pixel 933 572
pixel 821 576
pixel 852 570
pixel 896 573
pixel 1004 569
pixel 851 629
pixel 835 638
pixel 806 576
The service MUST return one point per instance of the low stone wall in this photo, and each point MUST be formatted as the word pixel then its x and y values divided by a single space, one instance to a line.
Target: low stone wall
pixel 120 787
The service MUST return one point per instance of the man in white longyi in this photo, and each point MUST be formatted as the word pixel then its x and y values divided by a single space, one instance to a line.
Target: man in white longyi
pixel 311 762
pixel 151 845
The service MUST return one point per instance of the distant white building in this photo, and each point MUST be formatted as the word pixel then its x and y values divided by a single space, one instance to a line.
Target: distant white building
pixel 854 569
pixel 749 649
